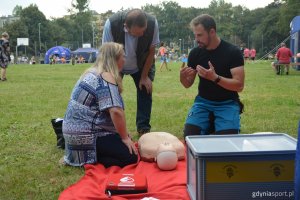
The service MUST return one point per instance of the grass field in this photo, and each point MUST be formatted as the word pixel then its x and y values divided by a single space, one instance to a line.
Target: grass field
pixel 34 94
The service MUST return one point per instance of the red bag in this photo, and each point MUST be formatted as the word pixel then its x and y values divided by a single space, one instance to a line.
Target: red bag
pixel 126 184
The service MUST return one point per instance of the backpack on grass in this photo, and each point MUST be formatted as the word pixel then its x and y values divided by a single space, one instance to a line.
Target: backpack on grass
pixel 57 126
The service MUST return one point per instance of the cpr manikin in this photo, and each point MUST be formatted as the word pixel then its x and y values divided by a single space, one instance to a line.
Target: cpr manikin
pixel 162 147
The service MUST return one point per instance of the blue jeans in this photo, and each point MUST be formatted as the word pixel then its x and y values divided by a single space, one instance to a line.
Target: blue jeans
pixel 144 104
pixel 297 170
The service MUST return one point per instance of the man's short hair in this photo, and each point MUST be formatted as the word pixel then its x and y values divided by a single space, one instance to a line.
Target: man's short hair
pixel 205 20
pixel 136 17
pixel 282 44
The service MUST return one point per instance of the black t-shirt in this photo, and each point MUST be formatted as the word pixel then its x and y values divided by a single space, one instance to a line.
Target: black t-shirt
pixel 225 57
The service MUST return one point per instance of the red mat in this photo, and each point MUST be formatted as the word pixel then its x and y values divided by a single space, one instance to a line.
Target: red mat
pixel 161 184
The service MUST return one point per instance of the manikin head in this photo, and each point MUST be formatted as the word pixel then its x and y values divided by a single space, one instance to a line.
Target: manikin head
pixel 166 156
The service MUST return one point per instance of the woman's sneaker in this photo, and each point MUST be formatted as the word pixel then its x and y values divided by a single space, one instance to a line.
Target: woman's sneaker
pixel 62 162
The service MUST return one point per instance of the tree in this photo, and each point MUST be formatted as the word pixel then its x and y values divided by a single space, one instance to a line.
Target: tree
pixel 184 32
pixel 16 30
pixel 17 11
pixel 265 35
pixel 262 28
pixel 169 20
pixel 288 10
pixel 82 20
pixel 61 30
pixel 31 17
pixel 80 5
pixel 223 14
pixel 250 34
pixel 240 19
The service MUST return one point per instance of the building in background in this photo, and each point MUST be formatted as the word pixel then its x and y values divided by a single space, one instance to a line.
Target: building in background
pixel 7 20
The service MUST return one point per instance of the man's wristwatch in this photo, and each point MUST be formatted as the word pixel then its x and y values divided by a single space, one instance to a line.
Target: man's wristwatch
pixel 217 80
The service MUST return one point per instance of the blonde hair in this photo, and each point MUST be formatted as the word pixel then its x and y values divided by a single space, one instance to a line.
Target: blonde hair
pixel 106 61
pixel 5 35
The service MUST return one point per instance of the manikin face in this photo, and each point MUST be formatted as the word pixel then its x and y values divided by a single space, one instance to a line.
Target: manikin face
pixel 136 31
pixel 120 62
pixel 202 37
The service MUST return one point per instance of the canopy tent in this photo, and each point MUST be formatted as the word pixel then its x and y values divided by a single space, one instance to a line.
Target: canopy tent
pixel 58 51
pixel 295 38
pixel 295 25
pixel 89 54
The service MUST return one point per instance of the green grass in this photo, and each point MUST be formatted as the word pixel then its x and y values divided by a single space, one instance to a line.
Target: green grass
pixel 34 94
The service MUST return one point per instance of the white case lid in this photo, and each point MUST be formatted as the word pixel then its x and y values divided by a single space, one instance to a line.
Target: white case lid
pixel 241 144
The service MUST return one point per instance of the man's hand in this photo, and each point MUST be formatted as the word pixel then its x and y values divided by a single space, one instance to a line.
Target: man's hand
pixel 209 74
pixel 147 83
pixel 187 76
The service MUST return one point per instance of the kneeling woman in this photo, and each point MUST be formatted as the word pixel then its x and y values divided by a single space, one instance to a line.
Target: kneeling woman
pixel 94 125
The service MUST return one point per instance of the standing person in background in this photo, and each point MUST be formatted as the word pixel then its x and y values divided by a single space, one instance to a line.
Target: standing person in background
pixel 274 64
pixel 284 56
pixel 4 55
pixel 90 58
pixel 219 65
pixel 138 32
pixel 94 126
pixel 63 60
pixel 183 60
pixel 12 59
pixel 246 54
pixel 73 60
pixel 52 59
pixel 163 53
pixel 252 54
pixel 32 60
pixel 242 49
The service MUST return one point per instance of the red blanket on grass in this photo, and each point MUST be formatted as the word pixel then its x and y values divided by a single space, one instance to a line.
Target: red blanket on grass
pixel 161 184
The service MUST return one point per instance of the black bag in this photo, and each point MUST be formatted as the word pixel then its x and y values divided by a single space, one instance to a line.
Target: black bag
pixel 57 126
